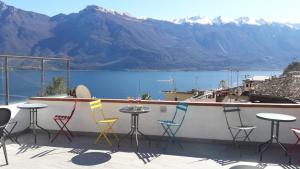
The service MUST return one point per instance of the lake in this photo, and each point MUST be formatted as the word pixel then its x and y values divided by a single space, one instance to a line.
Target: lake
pixel 112 84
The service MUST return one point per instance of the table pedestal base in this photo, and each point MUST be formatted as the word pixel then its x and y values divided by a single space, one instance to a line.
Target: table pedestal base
pixel 33 124
pixel 135 131
pixel 264 146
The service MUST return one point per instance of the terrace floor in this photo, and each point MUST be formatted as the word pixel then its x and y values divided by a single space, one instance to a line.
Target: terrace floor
pixel 82 153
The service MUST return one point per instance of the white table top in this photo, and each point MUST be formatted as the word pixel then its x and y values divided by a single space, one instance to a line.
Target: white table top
pixel 32 106
pixel 276 117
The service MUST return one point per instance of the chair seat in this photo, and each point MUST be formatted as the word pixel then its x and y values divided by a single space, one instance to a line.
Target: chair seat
pixel 112 118
pixel 61 117
pixel 168 122
pixel 245 127
pixel 296 130
pixel 108 120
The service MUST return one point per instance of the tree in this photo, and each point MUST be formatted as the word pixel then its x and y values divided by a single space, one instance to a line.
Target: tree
pixel 56 87
pixel 146 96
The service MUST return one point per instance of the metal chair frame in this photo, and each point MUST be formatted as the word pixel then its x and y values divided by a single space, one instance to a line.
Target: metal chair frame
pixel 169 124
pixel 292 149
pixel 96 107
pixel 4 123
pixel 8 132
pixel 237 130
pixel 62 122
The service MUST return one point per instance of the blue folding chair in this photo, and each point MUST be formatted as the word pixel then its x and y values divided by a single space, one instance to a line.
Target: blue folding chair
pixel 171 127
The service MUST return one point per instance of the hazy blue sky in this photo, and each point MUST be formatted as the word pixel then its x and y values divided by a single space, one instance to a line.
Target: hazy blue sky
pixel 276 10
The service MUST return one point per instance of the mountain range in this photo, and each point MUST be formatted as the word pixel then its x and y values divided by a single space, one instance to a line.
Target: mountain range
pixel 99 38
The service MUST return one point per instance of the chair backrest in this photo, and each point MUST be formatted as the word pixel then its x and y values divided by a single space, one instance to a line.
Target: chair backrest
pixel 96 107
pixel 73 109
pixel 235 112
pixel 182 109
pixel 82 92
pixel 4 119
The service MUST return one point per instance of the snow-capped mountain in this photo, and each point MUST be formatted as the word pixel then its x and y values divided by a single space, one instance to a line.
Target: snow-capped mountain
pixel 106 10
pixel 99 38
pixel 221 20
pixel 3 6
pixel 193 20
pixel 248 21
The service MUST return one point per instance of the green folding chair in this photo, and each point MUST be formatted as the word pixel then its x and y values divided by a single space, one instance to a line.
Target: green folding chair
pixel 171 127
pixel 239 131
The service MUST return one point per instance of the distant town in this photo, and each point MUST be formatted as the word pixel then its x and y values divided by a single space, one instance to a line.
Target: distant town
pixel 257 89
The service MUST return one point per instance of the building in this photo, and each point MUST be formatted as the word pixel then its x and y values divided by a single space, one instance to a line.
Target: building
pixel 249 83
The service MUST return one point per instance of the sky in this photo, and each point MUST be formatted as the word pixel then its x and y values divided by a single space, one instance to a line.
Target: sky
pixel 273 10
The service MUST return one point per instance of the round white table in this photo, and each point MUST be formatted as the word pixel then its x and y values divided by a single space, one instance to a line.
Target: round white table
pixel 33 122
pixel 275 120
pixel 135 112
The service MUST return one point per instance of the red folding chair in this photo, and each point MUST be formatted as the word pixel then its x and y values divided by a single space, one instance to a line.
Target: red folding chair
pixel 292 149
pixel 62 121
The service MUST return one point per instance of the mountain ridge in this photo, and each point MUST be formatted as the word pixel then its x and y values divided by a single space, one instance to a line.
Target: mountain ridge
pixel 98 38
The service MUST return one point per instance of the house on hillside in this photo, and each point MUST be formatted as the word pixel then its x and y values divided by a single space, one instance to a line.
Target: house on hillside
pixel 250 83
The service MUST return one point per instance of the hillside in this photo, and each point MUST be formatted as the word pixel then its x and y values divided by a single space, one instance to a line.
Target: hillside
pixel 97 38
pixel 287 86
pixel 292 67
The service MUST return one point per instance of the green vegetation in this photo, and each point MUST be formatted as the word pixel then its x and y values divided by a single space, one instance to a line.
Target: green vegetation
pixel 56 87
pixel 146 96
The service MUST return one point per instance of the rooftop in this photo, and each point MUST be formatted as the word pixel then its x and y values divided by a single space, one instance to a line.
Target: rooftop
pixel 258 78
pixel 207 143
pixel 83 153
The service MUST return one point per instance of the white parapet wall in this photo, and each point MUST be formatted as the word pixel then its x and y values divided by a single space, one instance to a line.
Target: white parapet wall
pixel 203 120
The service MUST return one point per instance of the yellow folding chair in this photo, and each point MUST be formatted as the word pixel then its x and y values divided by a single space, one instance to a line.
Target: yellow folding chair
pixel 97 112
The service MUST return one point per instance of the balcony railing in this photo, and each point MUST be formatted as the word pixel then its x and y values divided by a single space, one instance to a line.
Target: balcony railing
pixel 42 60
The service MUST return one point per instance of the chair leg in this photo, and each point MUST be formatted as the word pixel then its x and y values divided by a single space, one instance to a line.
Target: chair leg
pixel 65 126
pixel 293 147
pixel 247 135
pixel 168 138
pixel 106 138
pixel 98 138
pixel 114 134
pixel 102 133
pixel 4 149
pixel 175 140
pixel 172 135
pixel 8 133
pixel 61 131
pixel 166 128
pixel 164 133
pixel 56 135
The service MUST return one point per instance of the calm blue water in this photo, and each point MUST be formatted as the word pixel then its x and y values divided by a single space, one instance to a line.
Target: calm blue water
pixel 103 84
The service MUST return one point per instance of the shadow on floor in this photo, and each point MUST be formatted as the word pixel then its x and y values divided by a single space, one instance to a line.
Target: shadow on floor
pixel 289 166
pixel 78 150
pixel 147 157
pixel 44 153
pixel 223 154
pixel 244 167
pixel 25 147
pixel 90 158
